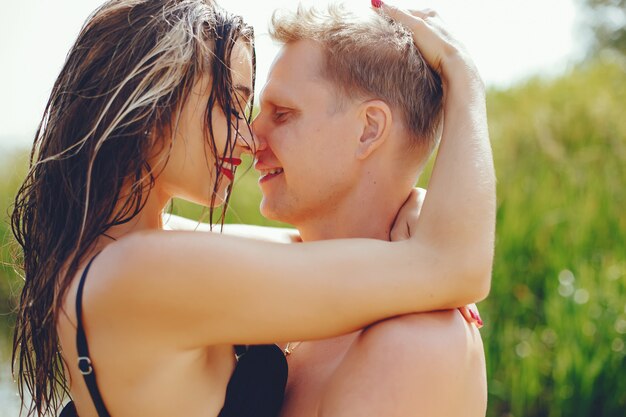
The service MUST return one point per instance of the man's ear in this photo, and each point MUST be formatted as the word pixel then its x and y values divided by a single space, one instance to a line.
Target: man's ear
pixel 376 116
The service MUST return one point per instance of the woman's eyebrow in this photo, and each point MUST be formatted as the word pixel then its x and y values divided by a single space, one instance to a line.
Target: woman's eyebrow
pixel 245 91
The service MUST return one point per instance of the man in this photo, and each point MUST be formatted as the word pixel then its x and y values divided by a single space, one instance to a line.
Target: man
pixel 349 116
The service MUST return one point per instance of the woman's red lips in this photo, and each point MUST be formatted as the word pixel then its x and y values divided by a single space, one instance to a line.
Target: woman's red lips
pixel 232 161
pixel 227 173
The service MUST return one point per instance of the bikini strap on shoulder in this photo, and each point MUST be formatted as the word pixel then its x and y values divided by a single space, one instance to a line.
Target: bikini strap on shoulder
pixel 85 365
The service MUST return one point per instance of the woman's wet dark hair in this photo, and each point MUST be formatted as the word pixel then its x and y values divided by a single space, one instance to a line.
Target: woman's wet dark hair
pixel 113 108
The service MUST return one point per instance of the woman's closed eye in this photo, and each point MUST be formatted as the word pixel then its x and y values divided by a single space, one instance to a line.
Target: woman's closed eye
pixel 240 109
pixel 236 114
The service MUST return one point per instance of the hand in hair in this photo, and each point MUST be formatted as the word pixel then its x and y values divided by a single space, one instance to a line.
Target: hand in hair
pixel 443 52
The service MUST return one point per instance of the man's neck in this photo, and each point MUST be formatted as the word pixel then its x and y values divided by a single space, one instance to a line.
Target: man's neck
pixel 368 212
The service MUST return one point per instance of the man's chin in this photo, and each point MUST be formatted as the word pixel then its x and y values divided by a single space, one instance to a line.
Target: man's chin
pixel 269 211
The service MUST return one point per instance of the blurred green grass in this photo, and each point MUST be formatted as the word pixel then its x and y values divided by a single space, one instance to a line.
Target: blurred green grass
pixel 556 316
pixel 557 311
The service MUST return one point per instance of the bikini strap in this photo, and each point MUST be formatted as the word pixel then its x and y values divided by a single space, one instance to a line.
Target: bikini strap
pixel 240 350
pixel 85 365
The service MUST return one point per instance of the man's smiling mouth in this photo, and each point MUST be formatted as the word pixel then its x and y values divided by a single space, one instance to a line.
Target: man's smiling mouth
pixel 268 174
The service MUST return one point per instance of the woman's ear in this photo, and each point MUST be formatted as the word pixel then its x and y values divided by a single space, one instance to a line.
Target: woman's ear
pixel 376 116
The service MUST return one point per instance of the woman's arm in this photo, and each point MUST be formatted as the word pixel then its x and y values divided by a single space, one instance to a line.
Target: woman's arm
pixel 407 217
pixel 200 289
pixel 461 204
pixel 269 234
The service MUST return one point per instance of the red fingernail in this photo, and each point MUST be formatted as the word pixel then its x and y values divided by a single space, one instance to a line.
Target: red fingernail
pixel 473 314
pixel 377 3
pixel 479 320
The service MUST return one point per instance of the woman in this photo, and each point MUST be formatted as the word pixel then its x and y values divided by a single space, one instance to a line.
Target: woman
pixel 153 103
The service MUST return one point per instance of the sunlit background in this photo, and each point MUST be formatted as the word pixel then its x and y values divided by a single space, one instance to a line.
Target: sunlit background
pixel 556 71
pixel 508 39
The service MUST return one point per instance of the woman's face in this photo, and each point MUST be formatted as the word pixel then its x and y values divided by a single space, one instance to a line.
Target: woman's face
pixel 191 169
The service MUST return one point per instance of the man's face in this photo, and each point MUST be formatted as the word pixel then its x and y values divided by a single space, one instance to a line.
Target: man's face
pixel 306 152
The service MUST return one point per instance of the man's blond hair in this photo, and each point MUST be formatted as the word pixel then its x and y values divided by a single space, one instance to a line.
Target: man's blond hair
pixel 370 58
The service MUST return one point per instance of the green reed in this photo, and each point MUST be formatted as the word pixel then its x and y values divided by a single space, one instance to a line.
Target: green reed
pixel 556 315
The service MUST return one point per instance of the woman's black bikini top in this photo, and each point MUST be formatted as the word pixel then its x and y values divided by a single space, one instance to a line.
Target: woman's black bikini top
pixel 255 389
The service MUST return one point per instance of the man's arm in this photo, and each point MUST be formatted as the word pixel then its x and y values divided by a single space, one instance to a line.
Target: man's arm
pixel 429 364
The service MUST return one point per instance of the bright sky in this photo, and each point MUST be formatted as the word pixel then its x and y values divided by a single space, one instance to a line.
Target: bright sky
pixel 509 41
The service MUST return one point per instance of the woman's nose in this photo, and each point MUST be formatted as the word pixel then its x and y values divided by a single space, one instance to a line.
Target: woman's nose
pixel 246 139
pixel 257 133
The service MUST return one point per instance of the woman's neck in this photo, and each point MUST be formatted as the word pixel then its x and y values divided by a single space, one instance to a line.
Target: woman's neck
pixel 149 218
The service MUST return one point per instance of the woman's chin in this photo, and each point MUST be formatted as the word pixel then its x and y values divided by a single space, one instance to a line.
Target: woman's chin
pixel 220 198
pixel 219 202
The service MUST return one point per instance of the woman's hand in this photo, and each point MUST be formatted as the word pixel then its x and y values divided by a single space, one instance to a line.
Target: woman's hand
pixel 444 53
pixel 471 315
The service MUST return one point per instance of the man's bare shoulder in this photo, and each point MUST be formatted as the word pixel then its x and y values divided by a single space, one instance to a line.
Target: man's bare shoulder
pixel 432 362
pixel 442 332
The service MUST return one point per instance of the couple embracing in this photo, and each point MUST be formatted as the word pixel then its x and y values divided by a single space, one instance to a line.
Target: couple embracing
pixel 366 315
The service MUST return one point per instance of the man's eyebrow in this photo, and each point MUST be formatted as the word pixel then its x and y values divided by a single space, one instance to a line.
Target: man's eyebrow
pixel 275 92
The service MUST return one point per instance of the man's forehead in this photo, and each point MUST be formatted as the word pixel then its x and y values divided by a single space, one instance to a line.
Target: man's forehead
pixel 296 65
